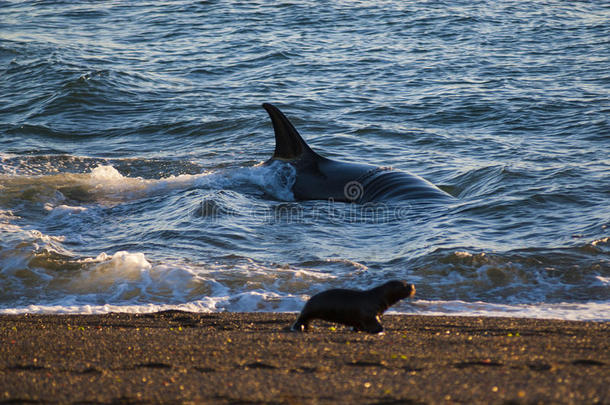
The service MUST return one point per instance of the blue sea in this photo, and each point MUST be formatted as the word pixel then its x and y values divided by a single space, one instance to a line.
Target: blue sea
pixel 131 137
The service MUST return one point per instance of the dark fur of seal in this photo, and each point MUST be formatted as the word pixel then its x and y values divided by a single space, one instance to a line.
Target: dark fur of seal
pixel 358 309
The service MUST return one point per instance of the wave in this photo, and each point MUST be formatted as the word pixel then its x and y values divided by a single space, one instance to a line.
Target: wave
pixel 48 261
pixel 41 274
pixel 104 184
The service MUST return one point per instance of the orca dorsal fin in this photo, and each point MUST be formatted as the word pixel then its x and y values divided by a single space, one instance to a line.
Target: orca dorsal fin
pixel 288 143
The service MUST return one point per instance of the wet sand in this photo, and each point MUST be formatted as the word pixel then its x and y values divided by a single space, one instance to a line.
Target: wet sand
pixel 224 358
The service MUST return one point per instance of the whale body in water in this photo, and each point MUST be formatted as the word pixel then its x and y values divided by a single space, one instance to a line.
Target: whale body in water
pixel 320 178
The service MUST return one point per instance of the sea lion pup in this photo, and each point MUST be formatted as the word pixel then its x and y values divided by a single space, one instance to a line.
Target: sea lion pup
pixel 358 309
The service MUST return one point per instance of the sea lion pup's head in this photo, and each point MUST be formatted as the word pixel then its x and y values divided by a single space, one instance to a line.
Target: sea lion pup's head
pixel 395 290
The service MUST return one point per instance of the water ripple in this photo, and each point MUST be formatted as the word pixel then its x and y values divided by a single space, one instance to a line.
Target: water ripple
pixel 503 104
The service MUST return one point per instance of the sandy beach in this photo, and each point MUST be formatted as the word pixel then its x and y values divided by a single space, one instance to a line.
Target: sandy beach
pixel 231 358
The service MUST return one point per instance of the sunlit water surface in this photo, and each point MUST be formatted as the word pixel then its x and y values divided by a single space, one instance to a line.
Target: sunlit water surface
pixel 130 135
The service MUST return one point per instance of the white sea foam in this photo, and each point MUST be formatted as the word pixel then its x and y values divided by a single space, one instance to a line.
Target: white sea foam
pixel 106 182
pixel 6 217
pixel 116 270
pixel 462 254
pixel 580 311
pixel 276 179
pixel 64 210
pixel 254 301
pixel 19 240
pixel 129 276
pixel 106 174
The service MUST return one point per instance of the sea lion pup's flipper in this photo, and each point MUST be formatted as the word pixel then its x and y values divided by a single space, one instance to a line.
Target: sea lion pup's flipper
pixel 372 325
pixel 300 325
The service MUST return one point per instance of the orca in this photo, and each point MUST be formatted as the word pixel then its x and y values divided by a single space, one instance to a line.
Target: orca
pixel 320 178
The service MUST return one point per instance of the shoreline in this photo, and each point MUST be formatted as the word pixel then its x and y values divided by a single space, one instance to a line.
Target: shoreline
pixel 176 357
pixel 594 311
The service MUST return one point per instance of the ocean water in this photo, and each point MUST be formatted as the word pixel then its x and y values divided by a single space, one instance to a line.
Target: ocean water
pixel 131 133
